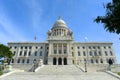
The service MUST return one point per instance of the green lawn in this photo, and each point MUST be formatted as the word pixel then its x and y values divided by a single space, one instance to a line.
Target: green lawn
pixel 118 73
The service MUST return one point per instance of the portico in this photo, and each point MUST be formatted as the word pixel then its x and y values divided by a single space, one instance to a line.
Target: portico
pixel 59 61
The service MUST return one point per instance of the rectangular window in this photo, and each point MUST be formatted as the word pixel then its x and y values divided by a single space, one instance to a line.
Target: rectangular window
pixel 35 53
pixel 18 61
pixel 106 53
pixel 15 47
pixel 30 47
pixel 111 53
pixel 29 53
pixel 72 54
pixel 23 61
pixel 64 51
pixel 47 54
pixel 14 52
pixel 25 47
pixel 84 53
pixel 93 47
pixel 60 52
pixel 55 51
pixel 25 52
pixel 78 53
pixel 100 53
pixel 40 53
pixel 71 47
pixel 109 47
pixel 36 47
pixel 28 60
pixel 95 53
pixel 90 53
pixel 20 53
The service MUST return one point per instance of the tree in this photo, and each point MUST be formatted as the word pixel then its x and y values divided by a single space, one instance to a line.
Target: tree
pixel 111 20
pixel 6 53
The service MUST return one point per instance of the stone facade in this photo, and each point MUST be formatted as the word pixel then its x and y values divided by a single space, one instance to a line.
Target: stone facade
pixel 60 49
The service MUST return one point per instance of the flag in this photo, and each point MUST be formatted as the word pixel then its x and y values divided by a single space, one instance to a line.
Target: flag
pixel 35 38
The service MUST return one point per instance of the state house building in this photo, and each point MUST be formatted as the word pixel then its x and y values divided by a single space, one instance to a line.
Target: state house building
pixel 60 49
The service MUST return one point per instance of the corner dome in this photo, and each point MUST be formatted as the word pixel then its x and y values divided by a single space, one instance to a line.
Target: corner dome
pixel 60 23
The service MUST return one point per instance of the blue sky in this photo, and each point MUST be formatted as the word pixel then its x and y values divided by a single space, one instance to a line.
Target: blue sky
pixel 21 20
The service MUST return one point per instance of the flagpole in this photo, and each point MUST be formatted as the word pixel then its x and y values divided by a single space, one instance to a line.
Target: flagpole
pixel 35 38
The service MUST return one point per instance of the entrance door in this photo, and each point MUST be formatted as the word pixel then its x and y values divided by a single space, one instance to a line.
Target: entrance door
pixel 54 61
pixel 65 61
pixel 59 61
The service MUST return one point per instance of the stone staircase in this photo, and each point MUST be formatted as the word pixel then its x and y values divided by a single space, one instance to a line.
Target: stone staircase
pixel 22 66
pixel 59 70
pixel 65 72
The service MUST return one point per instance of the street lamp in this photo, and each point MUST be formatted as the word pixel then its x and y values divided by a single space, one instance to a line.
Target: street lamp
pixel 85 65
pixel 34 62
pixel 110 63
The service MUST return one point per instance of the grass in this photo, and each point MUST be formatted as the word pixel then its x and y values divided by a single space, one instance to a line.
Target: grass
pixel 118 73
pixel 1 72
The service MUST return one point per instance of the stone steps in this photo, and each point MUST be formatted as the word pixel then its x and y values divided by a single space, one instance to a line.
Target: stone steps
pixel 67 69
pixel 68 72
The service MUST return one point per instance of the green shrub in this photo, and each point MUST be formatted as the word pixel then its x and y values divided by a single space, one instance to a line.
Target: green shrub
pixel 118 73
pixel 1 72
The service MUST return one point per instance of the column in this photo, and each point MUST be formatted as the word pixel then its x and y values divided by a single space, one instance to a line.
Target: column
pixel 67 49
pixel 62 49
pixel 62 32
pixel 56 60
pixel 50 59
pixel 57 48
pixel 62 61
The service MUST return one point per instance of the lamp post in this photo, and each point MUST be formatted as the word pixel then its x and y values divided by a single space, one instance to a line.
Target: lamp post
pixel 85 65
pixel 34 62
pixel 87 57
pixel 110 63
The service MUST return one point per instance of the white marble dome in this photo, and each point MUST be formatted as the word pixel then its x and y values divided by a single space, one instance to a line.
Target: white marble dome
pixel 60 23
